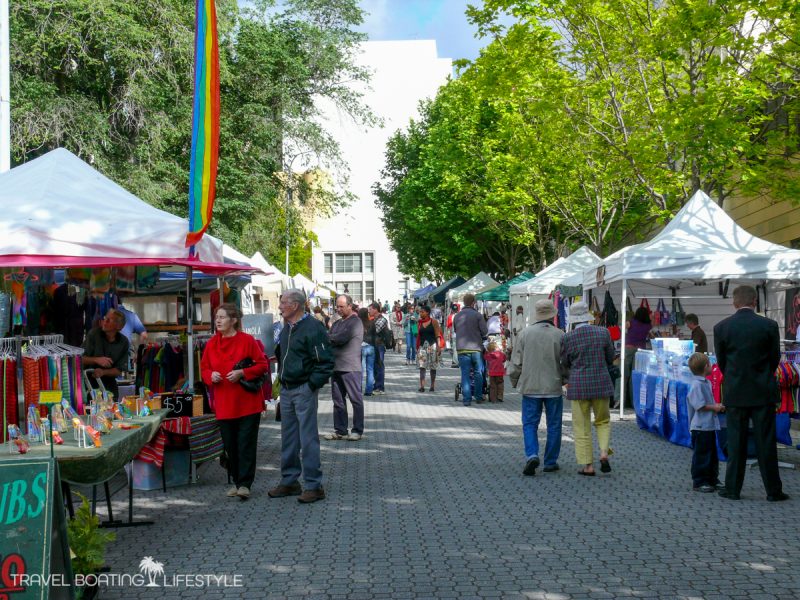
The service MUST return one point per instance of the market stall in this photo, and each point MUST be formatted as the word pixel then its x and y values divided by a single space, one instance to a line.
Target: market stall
pixel 439 294
pixel 692 266
pixel 564 276
pixel 478 283
pixel 62 216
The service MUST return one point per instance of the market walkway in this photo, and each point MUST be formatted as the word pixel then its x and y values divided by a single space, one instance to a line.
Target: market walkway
pixel 432 503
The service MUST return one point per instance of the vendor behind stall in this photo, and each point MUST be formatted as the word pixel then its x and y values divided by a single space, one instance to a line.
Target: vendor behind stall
pixel 106 349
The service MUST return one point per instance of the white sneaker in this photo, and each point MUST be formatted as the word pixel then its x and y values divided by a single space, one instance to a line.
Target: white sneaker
pixel 378 392
pixel 243 493
pixel 354 437
pixel 334 436
pixel 232 493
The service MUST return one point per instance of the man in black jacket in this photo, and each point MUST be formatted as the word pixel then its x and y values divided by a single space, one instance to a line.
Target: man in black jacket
pixel 748 352
pixel 306 364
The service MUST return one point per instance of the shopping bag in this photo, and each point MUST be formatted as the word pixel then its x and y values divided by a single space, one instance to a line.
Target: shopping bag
pixel 663 316
pixel 646 304
pixel 610 314
pixel 678 316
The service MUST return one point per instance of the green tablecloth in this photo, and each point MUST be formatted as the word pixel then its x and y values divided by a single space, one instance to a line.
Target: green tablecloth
pixel 92 465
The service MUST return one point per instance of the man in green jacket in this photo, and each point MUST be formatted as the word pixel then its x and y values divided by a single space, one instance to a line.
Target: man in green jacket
pixel 305 365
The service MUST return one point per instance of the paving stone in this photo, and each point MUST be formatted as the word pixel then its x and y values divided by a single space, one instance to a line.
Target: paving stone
pixel 432 503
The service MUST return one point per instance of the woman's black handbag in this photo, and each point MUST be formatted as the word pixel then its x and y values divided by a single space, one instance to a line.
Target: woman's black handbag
pixel 251 385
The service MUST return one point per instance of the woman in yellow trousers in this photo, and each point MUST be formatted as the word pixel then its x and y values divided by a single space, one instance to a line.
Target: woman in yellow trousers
pixel 587 351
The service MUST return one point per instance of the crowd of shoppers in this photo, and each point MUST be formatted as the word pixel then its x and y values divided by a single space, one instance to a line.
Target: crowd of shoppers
pixel 546 366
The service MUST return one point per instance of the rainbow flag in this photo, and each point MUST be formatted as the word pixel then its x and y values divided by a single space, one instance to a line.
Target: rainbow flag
pixel 205 122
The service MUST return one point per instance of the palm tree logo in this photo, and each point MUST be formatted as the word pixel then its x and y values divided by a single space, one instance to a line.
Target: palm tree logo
pixel 151 568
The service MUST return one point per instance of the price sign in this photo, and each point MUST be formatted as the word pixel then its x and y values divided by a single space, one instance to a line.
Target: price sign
pixel 179 405
pixel 34 555
pixel 50 397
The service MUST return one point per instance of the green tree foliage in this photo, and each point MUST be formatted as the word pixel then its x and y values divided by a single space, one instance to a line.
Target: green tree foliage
pixel 696 94
pixel 589 122
pixel 111 80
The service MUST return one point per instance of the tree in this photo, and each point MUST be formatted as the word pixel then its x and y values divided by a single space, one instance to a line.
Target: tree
pixel 111 80
pixel 693 91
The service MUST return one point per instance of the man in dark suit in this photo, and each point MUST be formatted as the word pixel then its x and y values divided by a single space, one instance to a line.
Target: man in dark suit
pixel 748 351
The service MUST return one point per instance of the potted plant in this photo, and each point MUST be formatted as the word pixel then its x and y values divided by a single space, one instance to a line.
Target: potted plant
pixel 87 543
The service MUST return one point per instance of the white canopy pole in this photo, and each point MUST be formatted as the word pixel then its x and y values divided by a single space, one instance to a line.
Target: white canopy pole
pixel 5 90
pixel 190 329
pixel 623 329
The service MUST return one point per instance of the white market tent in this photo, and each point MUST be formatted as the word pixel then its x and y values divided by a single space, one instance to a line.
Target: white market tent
pixel 563 272
pixel 698 258
pixel 60 211
pixel 267 288
pixel 479 283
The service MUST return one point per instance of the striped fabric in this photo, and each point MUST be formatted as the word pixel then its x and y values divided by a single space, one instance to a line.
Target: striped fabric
pixel 205 441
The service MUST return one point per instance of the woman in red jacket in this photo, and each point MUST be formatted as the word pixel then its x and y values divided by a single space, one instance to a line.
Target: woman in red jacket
pixel 238 410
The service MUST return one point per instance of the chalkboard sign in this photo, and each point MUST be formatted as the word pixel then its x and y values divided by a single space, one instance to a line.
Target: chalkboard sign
pixel 34 553
pixel 260 327
pixel 179 405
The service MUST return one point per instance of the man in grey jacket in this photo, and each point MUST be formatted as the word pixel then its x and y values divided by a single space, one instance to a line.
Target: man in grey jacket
pixel 537 372
pixel 346 336
pixel 470 328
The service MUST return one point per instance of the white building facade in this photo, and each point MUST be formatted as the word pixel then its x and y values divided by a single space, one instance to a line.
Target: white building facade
pixel 353 255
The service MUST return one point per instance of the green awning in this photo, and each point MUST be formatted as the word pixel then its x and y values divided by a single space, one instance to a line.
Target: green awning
pixel 500 293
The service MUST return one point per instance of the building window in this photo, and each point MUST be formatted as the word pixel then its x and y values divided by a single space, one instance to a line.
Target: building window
pixel 369 262
pixel 328 263
pixel 348 263
pixel 369 291
pixel 352 288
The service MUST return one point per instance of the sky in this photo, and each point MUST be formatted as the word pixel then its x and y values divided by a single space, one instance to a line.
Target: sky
pixel 441 20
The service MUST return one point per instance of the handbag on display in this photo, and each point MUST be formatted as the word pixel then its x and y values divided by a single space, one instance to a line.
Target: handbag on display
pixel 251 385
pixel 645 303
pixel 662 312
pixel 610 315
pixel 595 309
pixel 678 315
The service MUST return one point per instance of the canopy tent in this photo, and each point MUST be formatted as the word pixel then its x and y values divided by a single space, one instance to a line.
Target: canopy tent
pixel 566 272
pixel 440 293
pixel 61 212
pixel 499 293
pixel 479 282
pixel 701 244
pixel 424 291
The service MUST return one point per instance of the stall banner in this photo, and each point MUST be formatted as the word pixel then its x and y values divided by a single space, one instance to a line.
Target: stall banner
pixel 792 313
pixel 260 327
pixel 34 553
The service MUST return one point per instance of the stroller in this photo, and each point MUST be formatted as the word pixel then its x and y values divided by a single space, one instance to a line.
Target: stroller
pixel 484 391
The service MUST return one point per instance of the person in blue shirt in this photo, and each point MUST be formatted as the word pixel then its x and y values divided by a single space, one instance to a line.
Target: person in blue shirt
pixel 133 324
pixel 704 424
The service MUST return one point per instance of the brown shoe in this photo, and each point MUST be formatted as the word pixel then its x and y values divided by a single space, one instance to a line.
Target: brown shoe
pixel 309 496
pixel 282 491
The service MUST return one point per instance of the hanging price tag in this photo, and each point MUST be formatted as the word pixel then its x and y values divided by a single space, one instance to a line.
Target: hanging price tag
pixel 673 401
pixel 659 397
pixel 643 393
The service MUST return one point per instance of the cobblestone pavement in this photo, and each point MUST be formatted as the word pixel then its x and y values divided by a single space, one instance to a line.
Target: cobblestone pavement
pixel 432 503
